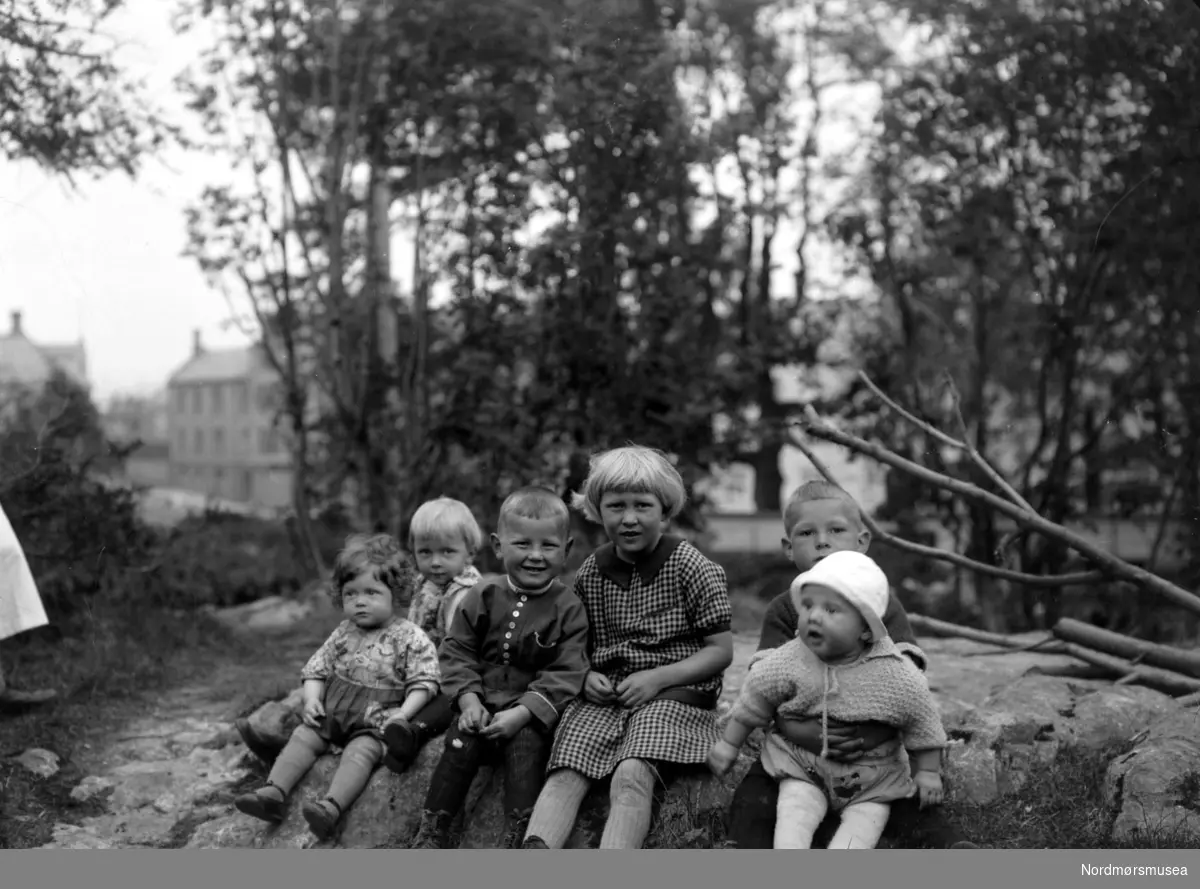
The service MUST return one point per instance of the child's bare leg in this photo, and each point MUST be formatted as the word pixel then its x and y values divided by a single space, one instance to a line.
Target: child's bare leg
pixel 631 804
pixel 862 826
pixel 359 759
pixel 557 807
pixel 303 749
pixel 802 806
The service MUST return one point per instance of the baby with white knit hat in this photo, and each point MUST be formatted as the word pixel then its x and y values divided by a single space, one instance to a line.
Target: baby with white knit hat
pixel 842 665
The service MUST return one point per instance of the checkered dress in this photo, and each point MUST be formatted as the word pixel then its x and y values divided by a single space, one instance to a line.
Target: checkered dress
pixel 656 614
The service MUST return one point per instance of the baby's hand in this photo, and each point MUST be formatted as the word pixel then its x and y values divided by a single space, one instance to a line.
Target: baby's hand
pixel 929 788
pixel 314 712
pixel 721 757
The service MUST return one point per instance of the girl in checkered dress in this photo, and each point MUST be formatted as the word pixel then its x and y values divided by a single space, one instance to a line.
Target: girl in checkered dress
pixel 660 640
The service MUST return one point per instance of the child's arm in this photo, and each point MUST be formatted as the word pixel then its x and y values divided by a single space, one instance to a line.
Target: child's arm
pixel 895 619
pixel 706 599
pixel 771 682
pixel 314 675
pixel 561 681
pixel 462 681
pixel 420 671
pixel 924 738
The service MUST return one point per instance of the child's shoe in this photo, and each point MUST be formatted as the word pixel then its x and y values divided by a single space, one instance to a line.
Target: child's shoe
pixel 401 743
pixel 518 823
pixel 534 843
pixel 267 804
pixel 322 816
pixel 434 832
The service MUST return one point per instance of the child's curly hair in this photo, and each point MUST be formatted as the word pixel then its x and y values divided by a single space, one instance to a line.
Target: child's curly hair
pixel 383 557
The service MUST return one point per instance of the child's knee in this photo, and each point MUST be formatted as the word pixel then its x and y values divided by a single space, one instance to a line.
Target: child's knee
pixel 632 783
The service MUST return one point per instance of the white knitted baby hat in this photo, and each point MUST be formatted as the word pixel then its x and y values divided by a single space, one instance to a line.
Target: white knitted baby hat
pixel 857 578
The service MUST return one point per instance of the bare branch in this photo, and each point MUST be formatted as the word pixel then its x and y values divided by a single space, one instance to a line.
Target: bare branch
pixel 1031 520
pixel 932 552
pixel 977 458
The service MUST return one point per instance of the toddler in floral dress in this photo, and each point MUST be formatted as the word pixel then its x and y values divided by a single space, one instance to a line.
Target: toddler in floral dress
pixel 374 667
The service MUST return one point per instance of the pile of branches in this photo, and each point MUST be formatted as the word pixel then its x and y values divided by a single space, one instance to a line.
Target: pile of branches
pixel 1103 653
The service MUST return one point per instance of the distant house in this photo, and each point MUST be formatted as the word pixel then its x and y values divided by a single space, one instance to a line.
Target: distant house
pixel 28 364
pixel 222 437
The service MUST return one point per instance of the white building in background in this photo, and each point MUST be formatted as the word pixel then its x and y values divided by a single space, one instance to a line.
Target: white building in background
pixel 222 436
pixel 26 363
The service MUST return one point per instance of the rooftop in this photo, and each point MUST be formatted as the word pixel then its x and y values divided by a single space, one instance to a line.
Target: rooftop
pixel 28 363
pixel 219 365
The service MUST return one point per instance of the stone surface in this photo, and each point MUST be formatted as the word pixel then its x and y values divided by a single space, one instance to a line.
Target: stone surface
pixel 1155 788
pixel 43 763
pixel 169 779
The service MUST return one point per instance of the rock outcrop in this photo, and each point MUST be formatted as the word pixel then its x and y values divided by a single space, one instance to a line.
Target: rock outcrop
pixel 1155 788
pixel 169 779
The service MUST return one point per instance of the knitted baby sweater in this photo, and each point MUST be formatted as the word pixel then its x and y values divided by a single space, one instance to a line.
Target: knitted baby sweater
pixel 881 686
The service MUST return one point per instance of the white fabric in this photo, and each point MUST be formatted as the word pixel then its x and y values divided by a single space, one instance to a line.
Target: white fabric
pixel 798 813
pixel 857 578
pixel 862 826
pixel 20 604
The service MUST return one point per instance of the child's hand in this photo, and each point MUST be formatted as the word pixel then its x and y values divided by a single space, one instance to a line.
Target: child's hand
pixel 638 689
pixel 721 757
pixel 507 723
pixel 474 717
pixel 598 689
pixel 929 788
pixel 313 713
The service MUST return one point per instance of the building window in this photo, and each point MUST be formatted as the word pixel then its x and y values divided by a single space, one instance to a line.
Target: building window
pixel 243 391
pixel 180 400
pixel 219 442
pixel 181 442
pixel 198 449
pixel 197 402
pixel 218 402
pixel 273 442
pixel 264 441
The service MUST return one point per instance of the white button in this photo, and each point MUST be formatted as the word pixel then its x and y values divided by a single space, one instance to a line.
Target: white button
pixel 508 635
pixel 516 614
pixel 522 600
pixel 512 626
pixel 506 646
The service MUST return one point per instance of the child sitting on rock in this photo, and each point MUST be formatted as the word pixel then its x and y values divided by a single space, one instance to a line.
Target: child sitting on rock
pixel 375 665
pixel 445 538
pixel 660 615
pixel 515 656
pixel 843 666
pixel 820 518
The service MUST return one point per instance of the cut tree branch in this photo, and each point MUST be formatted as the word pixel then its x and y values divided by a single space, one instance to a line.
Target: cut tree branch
pixel 1169 658
pixel 1105 561
pixel 1152 677
pixel 944 555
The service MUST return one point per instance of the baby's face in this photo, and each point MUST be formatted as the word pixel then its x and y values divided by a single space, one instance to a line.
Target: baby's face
pixel 830 626
pixel 367 601
pixel 822 527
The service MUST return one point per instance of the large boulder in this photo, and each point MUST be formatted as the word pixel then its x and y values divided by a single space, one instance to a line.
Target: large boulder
pixel 1155 787
pixel 387 813
pixel 1021 726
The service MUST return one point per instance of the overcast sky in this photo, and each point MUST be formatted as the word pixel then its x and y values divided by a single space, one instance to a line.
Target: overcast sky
pixel 104 264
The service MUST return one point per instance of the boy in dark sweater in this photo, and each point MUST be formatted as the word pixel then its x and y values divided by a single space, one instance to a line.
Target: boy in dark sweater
pixel 821 518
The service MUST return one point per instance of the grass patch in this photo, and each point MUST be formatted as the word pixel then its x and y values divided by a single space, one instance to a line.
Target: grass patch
pixel 1061 806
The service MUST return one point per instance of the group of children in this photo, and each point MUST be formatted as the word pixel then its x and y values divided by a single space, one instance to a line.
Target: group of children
pixel 618 676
